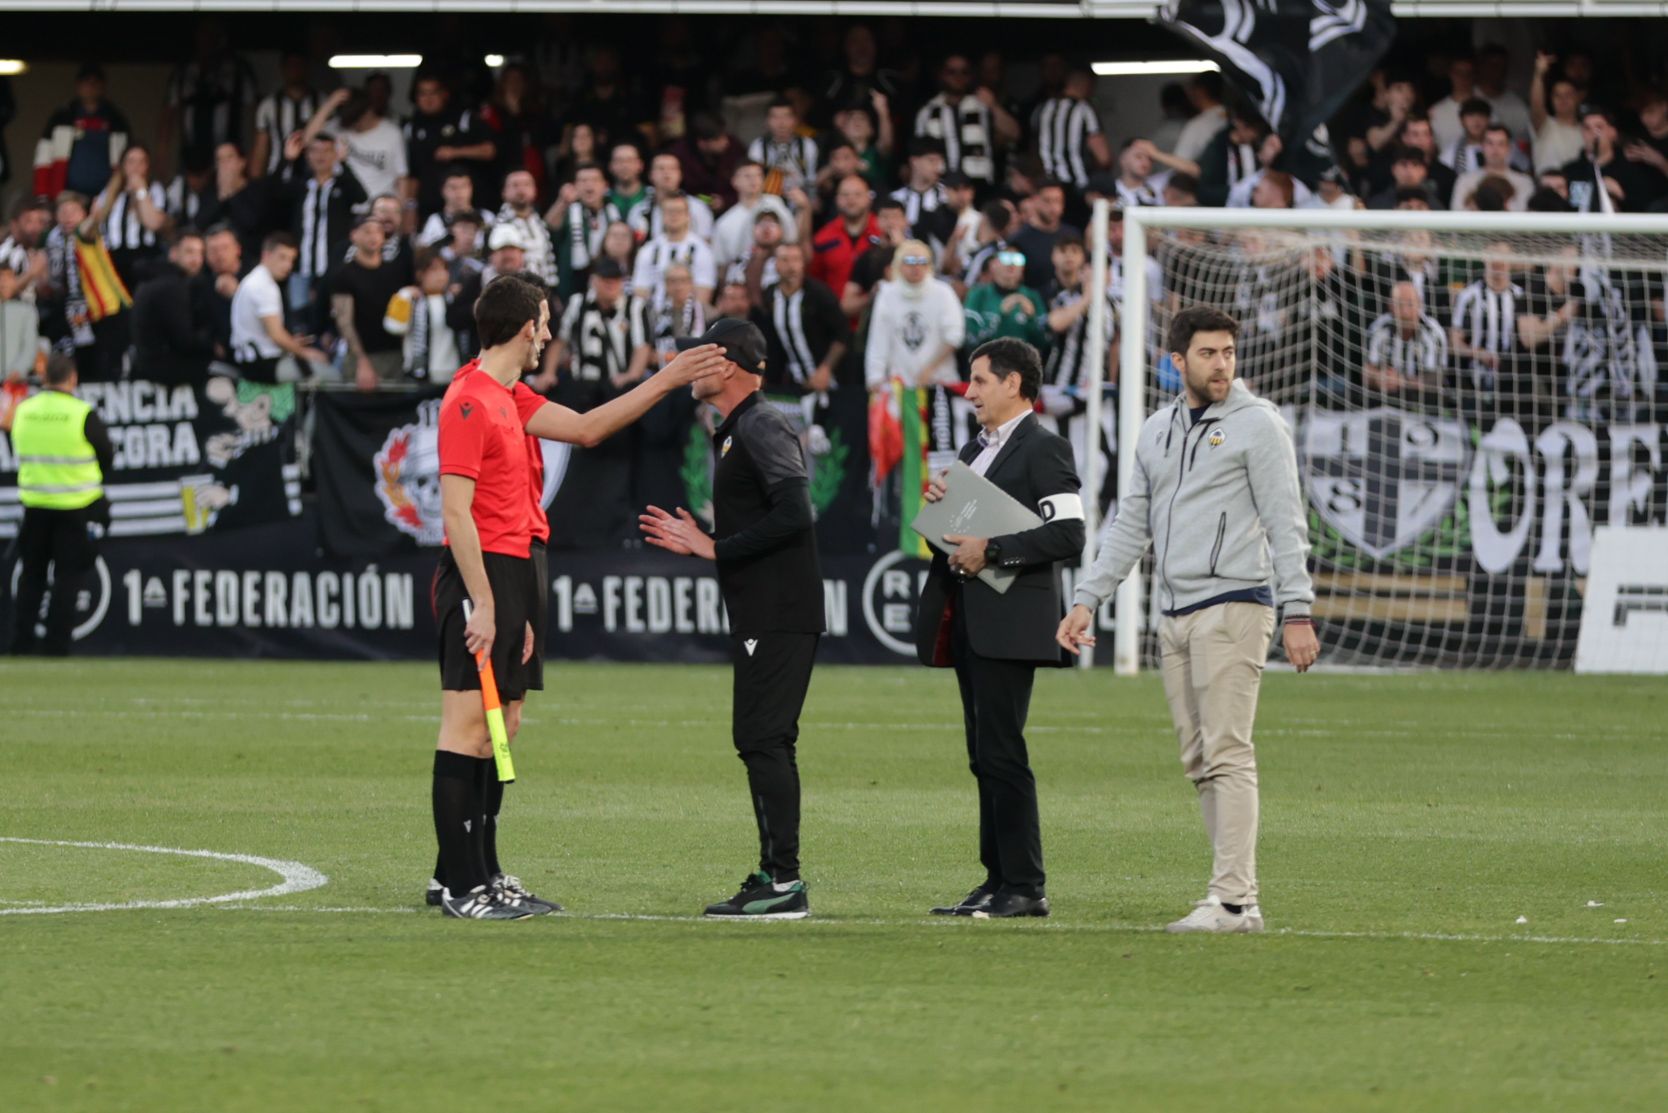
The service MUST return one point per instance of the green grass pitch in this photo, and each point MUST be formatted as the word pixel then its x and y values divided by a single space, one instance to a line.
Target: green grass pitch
pixel 1409 821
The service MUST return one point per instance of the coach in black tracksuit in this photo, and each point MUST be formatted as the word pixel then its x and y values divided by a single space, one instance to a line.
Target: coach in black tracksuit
pixel 996 641
pixel 765 547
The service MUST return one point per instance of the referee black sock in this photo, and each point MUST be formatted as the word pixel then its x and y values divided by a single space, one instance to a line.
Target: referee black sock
pixel 492 799
pixel 457 820
pixel 492 802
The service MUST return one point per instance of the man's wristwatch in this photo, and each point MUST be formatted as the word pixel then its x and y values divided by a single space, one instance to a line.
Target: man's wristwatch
pixel 993 554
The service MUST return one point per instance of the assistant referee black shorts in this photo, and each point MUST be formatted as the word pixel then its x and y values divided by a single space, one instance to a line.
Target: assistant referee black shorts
pixel 513 595
pixel 540 615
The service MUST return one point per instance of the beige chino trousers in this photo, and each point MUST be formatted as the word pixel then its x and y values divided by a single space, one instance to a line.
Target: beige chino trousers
pixel 1212 661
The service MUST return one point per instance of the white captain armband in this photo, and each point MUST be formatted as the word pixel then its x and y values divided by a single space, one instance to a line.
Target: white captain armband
pixel 1062 507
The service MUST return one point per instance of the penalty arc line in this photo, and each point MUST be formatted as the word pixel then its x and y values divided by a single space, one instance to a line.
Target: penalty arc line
pixel 296 878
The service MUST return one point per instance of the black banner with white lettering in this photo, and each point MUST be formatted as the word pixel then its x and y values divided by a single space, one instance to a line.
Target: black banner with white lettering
pixel 268 592
pixel 189 459
pixel 1297 61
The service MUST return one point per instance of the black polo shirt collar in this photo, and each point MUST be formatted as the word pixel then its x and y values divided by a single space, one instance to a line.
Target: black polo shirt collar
pixel 729 423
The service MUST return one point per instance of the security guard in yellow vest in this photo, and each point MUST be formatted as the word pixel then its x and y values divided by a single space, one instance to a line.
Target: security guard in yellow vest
pixel 63 451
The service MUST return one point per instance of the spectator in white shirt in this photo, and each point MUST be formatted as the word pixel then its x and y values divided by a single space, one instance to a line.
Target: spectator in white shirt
pixel 1445 113
pixel 789 159
pixel 916 326
pixel 1492 65
pixel 462 249
pixel 374 145
pixel 1497 155
pixel 417 315
pixel 678 244
pixel 1554 106
pixel 732 236
pixel 260 342
pixel 1135 169
pixel 665 179
pixel 457 194
pixel 519 210
pixel 1465 154
pixel 1205 91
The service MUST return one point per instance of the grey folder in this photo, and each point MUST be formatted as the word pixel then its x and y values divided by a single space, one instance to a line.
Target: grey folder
pixel 973 506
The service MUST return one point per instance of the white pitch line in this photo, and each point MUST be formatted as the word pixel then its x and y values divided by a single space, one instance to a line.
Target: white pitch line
pixel 947 924
pixel 297 878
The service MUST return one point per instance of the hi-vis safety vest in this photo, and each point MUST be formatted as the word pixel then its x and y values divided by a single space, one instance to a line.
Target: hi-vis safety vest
pixel 56 466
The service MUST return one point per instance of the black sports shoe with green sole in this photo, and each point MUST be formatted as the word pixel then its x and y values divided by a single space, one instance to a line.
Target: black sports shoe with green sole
pixel 762 899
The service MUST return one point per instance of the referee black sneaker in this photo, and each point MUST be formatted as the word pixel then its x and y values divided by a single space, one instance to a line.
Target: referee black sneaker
pixel 761 898
pixel 509 887
pixel 482 903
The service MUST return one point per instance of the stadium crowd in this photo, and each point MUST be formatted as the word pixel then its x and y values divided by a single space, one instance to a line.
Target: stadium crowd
pixel 878 221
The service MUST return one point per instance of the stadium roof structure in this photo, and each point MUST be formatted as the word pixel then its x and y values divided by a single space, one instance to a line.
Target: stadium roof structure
pixel 972 9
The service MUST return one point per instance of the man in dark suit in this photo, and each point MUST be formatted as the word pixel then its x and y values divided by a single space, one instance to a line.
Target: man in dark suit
pixel 995 641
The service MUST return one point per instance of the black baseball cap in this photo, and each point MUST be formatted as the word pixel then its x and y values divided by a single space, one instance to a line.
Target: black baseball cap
pixel 743 343
pixel 607 267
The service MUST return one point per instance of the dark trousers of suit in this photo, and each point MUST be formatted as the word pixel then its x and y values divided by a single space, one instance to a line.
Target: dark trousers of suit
pixel 55 539
pixel 995 700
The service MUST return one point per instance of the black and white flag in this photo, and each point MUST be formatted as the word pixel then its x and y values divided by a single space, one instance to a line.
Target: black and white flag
pixel 1297 61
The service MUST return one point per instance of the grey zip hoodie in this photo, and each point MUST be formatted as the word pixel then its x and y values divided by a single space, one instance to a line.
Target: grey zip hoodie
pixel 1215 498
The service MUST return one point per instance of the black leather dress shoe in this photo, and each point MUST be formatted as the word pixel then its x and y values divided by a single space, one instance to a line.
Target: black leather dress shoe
pixel 1006 906
pixel 972 902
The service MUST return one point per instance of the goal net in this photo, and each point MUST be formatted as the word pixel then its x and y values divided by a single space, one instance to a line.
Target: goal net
pixel 1472 398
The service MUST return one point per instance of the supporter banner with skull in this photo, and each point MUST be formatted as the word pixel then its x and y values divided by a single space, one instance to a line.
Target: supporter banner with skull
pixel 376 459
pixel 189 459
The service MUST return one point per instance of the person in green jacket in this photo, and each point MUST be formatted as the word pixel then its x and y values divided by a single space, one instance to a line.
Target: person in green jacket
pixel 1002 307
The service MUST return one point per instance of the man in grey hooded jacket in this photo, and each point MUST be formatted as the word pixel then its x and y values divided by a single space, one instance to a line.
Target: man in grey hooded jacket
pixel 1216 492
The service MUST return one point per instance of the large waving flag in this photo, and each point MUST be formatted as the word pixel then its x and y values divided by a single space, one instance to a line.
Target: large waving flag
pixel 1297 61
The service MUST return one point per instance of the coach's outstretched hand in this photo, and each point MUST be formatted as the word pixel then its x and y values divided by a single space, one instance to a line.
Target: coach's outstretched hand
pixel 696 363
pixel 682 535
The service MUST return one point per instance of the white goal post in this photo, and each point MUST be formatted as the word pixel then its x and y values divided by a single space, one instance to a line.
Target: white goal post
pixel 1647 262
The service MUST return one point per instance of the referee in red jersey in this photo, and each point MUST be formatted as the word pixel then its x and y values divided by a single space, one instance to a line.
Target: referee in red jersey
pixel 491 483
pixel 484 587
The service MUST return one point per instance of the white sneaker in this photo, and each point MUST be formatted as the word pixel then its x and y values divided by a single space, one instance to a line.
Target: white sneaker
pixel 1208 916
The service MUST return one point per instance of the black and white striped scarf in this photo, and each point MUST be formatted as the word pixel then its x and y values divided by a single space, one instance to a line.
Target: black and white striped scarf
pixel 586 231
pixel 674 322
pixel 65 274
pixel 417 340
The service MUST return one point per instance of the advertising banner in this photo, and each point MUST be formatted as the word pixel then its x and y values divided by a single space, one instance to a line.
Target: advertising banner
pixel 189 459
